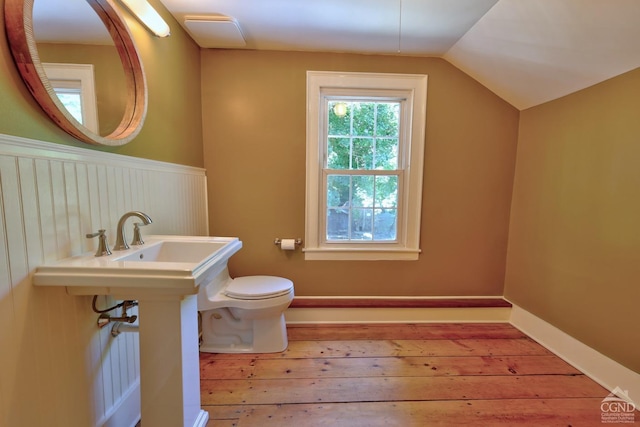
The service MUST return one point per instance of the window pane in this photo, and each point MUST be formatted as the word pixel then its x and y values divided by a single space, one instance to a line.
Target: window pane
pixel 72 102
pixel 338 153
pixel 362 157
pixel 339 125
pixel 363 118
pixel 364 136
pixel 337 224
pixel 386 154
pixel 338 190
pixel 352 142
pixel 386 193
pixel 362 207
pixel 384 224
pixel 387 119
pixel 361 224
pixel 362 191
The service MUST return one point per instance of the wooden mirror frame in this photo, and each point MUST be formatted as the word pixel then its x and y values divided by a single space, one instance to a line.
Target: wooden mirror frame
pixel 18 16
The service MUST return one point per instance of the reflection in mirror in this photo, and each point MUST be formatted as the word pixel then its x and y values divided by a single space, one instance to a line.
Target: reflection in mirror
pixel 72 35
pixel 81 38
pixel 75 86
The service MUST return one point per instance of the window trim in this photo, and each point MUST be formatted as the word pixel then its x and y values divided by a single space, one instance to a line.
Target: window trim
pixel 323 84
pixel 77 75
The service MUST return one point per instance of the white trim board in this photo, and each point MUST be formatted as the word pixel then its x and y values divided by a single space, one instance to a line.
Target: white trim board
pixel 603 370
pixel 19 146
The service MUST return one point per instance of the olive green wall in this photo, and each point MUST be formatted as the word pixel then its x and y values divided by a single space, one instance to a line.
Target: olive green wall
pixel 173 127
pixel 574 242
pixel 254 107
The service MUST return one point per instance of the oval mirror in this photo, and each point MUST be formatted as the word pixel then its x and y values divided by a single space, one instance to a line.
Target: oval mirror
pixel 44 57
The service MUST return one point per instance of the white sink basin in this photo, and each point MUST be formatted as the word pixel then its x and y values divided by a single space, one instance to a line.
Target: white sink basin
pixel 166 265
pixel 173 251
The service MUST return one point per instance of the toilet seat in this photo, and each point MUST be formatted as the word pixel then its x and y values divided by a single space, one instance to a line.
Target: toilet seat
pixel 258 287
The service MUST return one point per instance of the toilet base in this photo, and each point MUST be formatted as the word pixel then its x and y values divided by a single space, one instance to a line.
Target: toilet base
pixel 222 333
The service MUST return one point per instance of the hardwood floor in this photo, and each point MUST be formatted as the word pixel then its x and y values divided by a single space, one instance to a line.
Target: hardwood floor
pixel 399 375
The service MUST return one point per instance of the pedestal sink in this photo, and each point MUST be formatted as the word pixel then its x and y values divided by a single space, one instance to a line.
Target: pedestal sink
pixel 163 276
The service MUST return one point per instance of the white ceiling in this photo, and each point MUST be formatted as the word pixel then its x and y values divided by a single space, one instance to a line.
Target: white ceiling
pixel 68 21
pixel 526 51
pixel 532 51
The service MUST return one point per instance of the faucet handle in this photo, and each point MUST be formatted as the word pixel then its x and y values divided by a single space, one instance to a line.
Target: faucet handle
pixel 137 235
pixel 103 244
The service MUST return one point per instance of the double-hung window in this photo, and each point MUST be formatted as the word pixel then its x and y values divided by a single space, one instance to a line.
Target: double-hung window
pixel 365 149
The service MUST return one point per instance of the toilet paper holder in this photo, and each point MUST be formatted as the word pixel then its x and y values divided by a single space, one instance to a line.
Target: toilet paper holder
pixel 278 241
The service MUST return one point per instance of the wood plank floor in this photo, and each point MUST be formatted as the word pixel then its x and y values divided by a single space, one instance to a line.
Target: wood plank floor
pixel 399 375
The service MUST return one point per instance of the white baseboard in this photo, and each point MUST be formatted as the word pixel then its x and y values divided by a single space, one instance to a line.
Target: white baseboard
pixel 595 365
pixel 202 419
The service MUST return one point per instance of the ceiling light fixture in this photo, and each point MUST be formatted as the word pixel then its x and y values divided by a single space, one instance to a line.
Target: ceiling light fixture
pixel 149 17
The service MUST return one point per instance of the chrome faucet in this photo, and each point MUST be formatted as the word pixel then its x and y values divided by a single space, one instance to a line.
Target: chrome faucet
pixel 121 243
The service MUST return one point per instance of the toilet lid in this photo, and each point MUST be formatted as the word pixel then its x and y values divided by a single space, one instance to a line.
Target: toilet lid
pixel 258 287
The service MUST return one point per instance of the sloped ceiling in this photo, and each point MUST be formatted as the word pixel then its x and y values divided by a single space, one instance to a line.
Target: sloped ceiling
pixel 532 51
pixel 526 51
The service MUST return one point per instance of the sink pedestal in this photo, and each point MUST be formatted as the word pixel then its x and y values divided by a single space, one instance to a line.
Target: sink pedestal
pixel 164 276
pixel 170 374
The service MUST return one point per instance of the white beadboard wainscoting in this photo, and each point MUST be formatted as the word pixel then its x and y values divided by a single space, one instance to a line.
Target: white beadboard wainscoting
pixel 56 367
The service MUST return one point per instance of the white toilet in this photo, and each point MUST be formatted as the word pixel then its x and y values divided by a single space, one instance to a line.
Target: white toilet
pixel 245 314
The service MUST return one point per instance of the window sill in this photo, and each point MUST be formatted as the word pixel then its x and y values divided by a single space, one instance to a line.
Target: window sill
pixel 369 254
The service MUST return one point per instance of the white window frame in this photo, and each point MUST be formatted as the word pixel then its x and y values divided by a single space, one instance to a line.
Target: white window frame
pixel 79 76
pixel 412 88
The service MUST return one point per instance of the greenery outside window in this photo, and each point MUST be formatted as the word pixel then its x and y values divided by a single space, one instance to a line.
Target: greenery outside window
pixel 361 172
pixel 365 149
